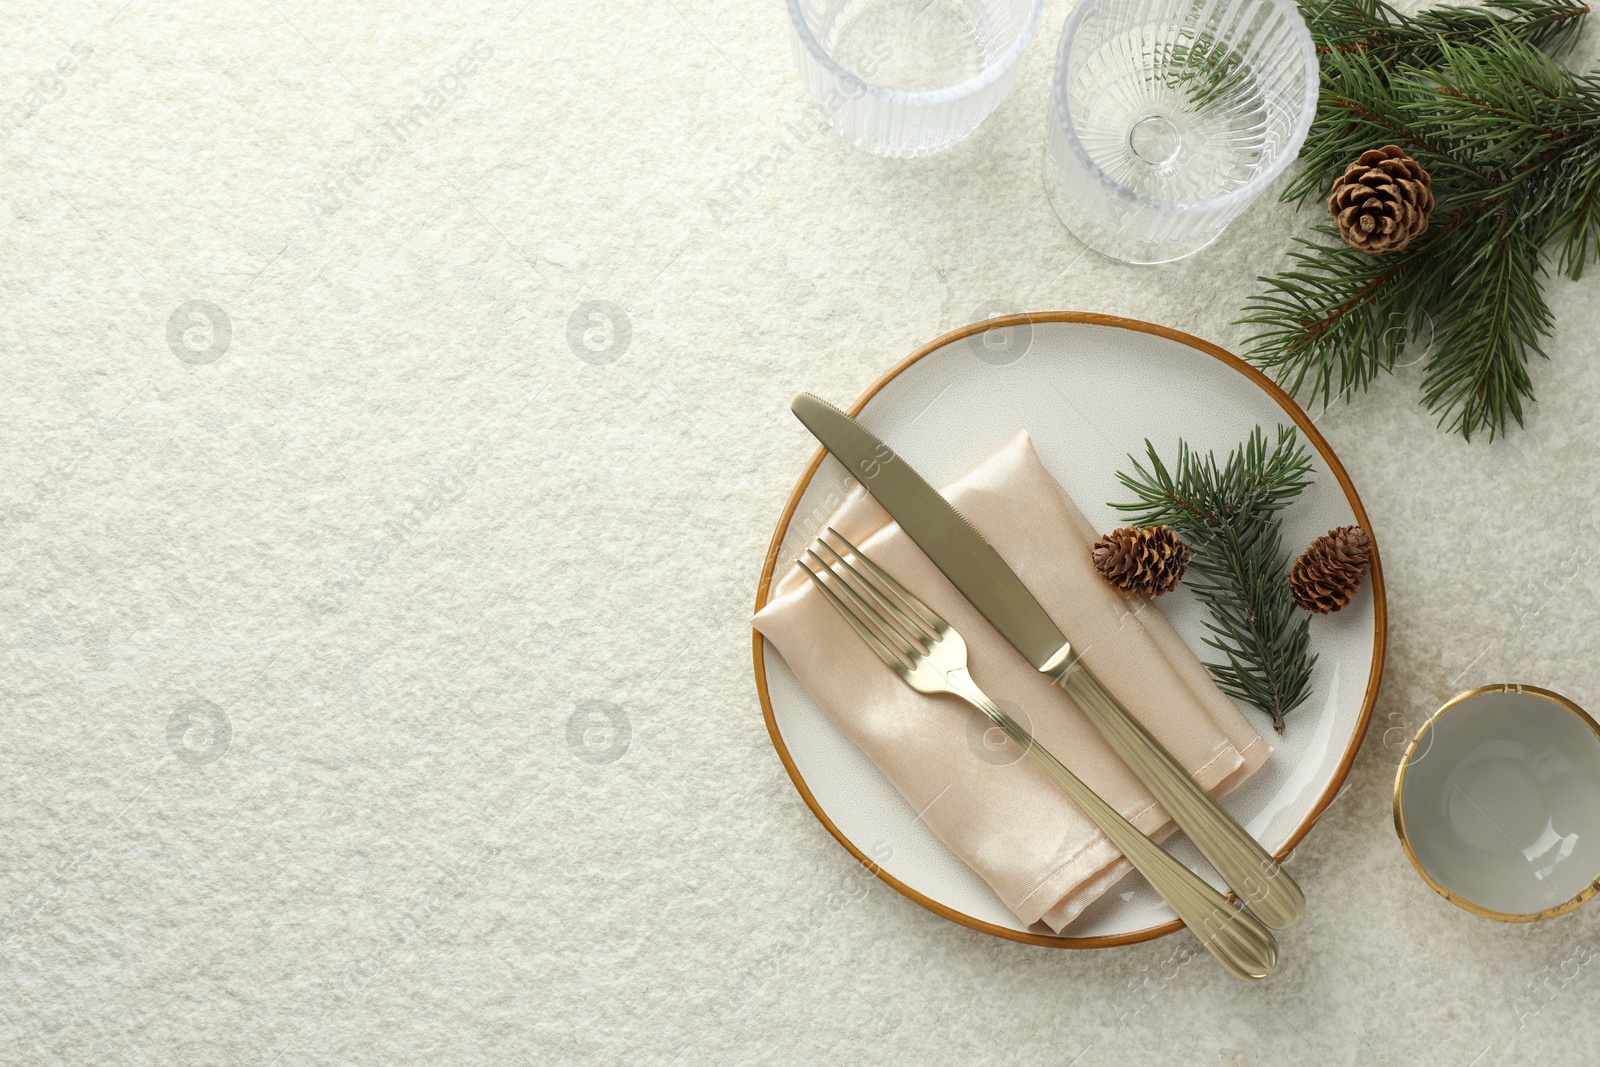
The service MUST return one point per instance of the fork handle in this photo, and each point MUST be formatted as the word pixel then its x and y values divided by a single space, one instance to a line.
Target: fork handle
pixel 1238 940
pixel 1251 872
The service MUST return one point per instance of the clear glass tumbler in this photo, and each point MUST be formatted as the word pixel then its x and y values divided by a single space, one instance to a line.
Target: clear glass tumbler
pixel 909 77
pixel 1167 117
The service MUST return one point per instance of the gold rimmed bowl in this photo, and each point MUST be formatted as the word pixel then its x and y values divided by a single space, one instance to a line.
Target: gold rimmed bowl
pixel 1497 803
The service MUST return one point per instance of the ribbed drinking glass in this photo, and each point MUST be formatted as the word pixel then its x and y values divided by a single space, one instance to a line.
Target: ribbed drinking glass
pixel 1168 117
pixel 909 77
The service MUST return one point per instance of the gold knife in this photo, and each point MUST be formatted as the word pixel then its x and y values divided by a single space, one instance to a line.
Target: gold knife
pixel 975 568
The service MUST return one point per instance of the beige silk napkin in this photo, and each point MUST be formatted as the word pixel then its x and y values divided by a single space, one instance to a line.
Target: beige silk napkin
pixel 995 808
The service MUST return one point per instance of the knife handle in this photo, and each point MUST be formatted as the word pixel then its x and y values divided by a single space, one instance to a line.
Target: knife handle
pixel 1250 871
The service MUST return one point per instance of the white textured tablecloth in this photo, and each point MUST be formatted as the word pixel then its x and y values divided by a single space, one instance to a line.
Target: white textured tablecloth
pixel 395 419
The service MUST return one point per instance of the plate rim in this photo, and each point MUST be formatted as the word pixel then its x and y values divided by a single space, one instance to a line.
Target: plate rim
pixel 1300 418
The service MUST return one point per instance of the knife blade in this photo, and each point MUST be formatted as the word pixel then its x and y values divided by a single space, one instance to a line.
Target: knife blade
pixel 976 569
pixel 970 562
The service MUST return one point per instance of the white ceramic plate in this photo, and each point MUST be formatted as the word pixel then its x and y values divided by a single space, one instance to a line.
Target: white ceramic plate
pixel 1089 389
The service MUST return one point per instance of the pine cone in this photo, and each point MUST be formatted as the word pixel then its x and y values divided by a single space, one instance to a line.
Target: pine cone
pixel 1328 575
pixel 1142 559
pixel 1381 201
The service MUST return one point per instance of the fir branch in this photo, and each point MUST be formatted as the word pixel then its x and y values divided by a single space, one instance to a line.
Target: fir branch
pixel 1375 29
pixel 1478 371
pixel 1576 224
pixel 1361 42
pixel 1511 139
pixel 1358 108
pixel 1324 321
pixel 1503 110
pixel 1229 517
pixel 1334 320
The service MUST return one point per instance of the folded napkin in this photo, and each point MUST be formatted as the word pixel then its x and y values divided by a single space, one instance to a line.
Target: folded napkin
pixel 994 808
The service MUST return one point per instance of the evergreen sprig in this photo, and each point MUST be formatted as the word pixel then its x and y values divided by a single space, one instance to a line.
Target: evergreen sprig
pixel 1512 141
pixel 1228 515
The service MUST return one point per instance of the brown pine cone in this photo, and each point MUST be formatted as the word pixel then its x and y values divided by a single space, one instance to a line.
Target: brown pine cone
pixel 1328 575
pixel 1142 559
pixel 1381 201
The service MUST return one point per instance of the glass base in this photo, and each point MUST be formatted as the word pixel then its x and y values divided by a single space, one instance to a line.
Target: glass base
pixel 1104 236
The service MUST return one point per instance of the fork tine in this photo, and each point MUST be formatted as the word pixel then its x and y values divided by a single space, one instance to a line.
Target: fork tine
pixel 870 614
pixel 889 658
pixel 919 634
pixel 935 623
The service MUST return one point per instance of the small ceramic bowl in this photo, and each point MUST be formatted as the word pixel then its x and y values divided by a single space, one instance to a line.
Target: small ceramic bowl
pixel 1497 803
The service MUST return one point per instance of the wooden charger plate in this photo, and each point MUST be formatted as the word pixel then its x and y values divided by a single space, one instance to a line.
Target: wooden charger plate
pixel 1090 389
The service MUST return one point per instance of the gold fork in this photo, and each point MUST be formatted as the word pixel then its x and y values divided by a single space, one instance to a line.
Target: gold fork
pixel 930 657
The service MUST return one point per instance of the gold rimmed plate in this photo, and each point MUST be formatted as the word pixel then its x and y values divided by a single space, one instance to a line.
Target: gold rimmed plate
pixel 1089 389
